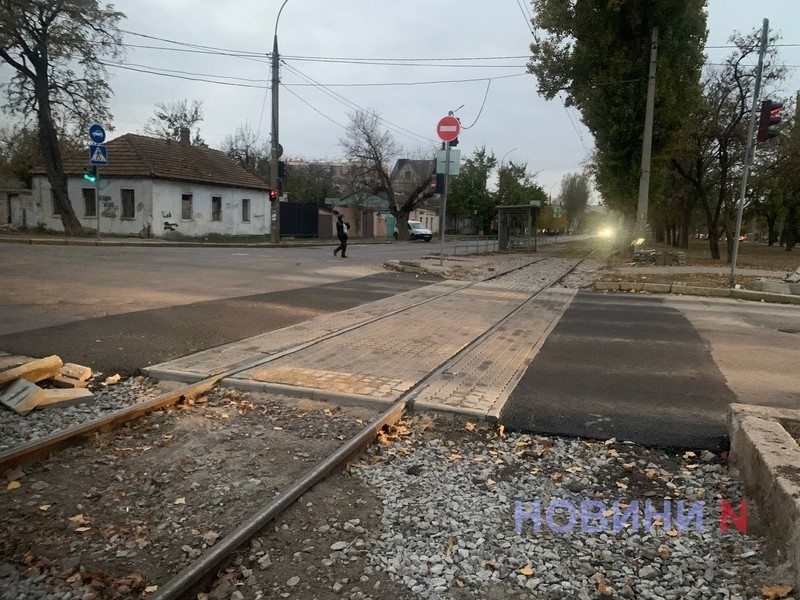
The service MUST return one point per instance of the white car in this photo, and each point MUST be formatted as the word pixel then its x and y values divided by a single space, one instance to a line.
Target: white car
pixel 416 231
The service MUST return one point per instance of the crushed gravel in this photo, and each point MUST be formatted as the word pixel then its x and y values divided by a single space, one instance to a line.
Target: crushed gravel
pixel 449 527
pixel 16 429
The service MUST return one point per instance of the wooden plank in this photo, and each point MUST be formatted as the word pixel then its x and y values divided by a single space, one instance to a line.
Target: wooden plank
pixel 74 371
pixel 21 396
pixel 59 398
pixel 62 381
pixel 43 368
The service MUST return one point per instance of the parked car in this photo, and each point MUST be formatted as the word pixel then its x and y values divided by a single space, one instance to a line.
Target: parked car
pixel 416 231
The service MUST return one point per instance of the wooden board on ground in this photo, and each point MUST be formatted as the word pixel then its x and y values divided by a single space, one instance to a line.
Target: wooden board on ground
pixel 34 371
pixel 22 396
pixel 72 376
pixel 58 398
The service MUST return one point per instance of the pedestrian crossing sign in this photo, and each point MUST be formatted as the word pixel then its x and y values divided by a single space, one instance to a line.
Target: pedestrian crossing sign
pixel 98 155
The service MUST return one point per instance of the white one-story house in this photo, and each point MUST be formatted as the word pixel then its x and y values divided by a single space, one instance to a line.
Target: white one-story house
pixel 151 186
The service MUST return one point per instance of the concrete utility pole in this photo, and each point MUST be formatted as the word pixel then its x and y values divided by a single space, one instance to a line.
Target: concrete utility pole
pixel 647 144
pixel 275 231
pixel 749 151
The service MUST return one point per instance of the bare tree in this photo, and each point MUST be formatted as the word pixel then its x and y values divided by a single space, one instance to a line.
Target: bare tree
pixel 170 117
pixel 371 150
pixel 55 49
pixel 248 150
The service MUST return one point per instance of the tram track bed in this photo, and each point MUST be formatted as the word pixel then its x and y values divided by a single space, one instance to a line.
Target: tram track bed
pixel 127 509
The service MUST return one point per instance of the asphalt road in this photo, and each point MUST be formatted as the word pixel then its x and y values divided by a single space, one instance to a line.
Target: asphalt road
pixel 627 367
pixel 117 309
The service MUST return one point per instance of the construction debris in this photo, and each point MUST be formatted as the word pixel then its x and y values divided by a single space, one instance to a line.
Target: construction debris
pixel 54 398
pixel 19 392
pixel 21 396
pixel 72 376
pixel 36 370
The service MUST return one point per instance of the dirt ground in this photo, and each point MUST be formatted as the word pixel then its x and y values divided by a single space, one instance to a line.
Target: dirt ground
pixel 751 256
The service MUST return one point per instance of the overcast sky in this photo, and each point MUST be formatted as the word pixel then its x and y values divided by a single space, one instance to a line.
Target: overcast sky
pixel 514 122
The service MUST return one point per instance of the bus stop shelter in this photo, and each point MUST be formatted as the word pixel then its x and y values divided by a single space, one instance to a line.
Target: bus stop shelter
pixel 516 227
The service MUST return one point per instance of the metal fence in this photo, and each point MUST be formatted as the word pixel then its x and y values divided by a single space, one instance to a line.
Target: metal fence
pixel 474 245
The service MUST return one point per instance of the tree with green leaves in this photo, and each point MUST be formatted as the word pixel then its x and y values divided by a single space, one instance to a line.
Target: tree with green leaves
pixel 597 53
pixel 574 197
pixel 515 186
pixel 468 195
pixel 169 118
pixel 56 49
pixel 309 181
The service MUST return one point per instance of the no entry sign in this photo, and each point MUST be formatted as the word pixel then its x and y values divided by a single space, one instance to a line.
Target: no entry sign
pixel 448 128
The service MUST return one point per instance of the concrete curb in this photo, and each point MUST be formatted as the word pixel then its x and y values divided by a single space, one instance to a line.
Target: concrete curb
pixel 691 290
pixel 768 460
pixel 44 241
pixel 308 393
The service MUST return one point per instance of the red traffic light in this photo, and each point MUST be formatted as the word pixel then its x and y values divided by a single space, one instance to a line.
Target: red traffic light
pixel 273 195
pixel 770 117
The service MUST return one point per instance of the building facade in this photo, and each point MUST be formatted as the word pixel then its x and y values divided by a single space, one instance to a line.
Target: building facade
pixel 152 187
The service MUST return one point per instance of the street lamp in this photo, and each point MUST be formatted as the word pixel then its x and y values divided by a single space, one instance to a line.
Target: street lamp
pixel 275 232
pixel 504 156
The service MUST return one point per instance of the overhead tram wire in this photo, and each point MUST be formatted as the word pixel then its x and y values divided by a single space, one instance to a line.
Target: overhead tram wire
pixel 352 105
pixel 316 110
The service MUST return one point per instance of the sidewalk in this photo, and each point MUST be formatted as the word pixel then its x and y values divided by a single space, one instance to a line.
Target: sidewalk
pixel 47 240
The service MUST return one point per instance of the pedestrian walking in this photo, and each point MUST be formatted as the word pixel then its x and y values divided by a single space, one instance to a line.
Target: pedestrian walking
pixel 341 233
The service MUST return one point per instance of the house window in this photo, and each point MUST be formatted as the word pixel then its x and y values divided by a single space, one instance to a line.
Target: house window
pixel 54 204
pixel 245 210
pixel 89 202
pixel 407 175
pixel 216 208
pixel 186 207
pixel 128 204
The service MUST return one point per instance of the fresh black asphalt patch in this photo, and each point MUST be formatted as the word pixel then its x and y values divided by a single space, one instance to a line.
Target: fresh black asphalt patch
pixel 127 342
pixel 627 367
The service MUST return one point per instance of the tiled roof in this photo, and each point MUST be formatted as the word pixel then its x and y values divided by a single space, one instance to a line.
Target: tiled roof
pixel 139 156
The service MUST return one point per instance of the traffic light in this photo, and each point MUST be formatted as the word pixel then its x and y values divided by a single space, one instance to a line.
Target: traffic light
pixel 770 118
pixel 273 195
pixel 281 169
pixel 90 174
pixel 440 183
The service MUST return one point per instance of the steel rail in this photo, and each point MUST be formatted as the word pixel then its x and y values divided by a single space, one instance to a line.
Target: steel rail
pixel 40 448
pixel 198 574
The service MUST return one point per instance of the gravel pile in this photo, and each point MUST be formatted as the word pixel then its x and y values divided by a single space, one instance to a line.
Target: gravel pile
pixel 17 429
pixel 451 519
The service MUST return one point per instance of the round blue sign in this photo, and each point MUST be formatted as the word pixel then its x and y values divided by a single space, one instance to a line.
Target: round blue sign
pixel 97 134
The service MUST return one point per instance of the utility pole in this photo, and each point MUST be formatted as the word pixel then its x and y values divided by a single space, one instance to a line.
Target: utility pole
pixel 749 151
pixel 647 144
pixel 275 231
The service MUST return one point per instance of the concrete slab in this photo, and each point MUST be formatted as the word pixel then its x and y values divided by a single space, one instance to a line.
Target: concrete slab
pixel 768 459
pixel 21 396
pixel 480 381
pixel 657 288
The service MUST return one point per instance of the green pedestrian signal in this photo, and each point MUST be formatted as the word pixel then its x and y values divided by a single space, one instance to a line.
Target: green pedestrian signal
pixel 90 174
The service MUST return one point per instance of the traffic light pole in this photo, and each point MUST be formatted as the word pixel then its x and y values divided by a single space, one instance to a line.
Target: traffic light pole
pixel 97 197
pixel 748 155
